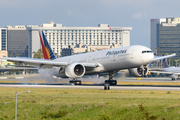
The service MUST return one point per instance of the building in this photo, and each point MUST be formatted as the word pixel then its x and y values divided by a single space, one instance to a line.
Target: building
pixel 166 36
pixel 22 41
pixel 17 41
pixel 3 39
pixel 153 37
pixel 60 37
pixel 67 51
pixel 3 53
pixel 80 48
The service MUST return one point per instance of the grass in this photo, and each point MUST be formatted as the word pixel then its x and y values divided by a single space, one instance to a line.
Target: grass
pixel 89 104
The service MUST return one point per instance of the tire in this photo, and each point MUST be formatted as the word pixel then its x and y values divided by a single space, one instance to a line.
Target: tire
pixel 71 81
pixel 77 82
pixel 111 82
pixel 106 87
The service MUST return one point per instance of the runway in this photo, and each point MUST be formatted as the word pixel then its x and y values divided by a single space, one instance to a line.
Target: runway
pixel 124 83
pixel 117 87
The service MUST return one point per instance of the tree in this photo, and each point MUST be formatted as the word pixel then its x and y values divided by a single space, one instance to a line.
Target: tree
pixel 56 55
pixel 10 55
pixel 156 50
pixel 168 59
pixel 161 53
pixel 86 51
pixel 38 54
pixel 17 54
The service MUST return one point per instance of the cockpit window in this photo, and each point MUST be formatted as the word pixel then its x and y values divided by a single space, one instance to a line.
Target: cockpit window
pixel 146 51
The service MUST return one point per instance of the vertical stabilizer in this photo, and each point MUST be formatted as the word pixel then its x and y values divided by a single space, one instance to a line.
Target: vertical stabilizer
pixel 165 64
pixel 47 51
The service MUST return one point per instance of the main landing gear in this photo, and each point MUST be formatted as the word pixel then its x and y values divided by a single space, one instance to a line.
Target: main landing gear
pixel 75 81
pixel 110 81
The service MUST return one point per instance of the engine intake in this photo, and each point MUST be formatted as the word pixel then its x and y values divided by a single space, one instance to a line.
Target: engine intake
pixel 138 72
pixel 75 70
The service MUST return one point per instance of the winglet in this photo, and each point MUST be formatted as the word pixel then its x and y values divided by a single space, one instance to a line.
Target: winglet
pixel 47 51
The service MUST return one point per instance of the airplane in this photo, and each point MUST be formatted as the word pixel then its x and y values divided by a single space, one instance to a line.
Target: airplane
pixel 173 71
pixel 134 58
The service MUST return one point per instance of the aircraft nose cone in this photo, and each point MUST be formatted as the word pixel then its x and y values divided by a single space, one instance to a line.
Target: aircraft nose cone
pixel 147 58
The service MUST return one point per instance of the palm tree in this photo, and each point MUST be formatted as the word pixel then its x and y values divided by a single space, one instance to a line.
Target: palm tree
pixel 168 59
pixel 161 60
pixel 161 53
pixel 17 54
pixel 56 55
pixel 86 51
pixel 10 55
pixel 38 54
pixel 156 49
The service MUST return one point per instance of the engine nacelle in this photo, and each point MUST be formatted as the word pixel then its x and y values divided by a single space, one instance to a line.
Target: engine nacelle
pixel 75 70
pixel 138 72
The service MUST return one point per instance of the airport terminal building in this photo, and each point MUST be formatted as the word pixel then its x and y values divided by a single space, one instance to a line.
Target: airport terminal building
pixel 165 35
pixel 60 37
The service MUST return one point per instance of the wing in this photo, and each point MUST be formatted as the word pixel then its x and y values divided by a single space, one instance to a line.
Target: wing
pixel 164 72
pixel 170 73
pixel 43 63
pixel 36 62
pixel 163 57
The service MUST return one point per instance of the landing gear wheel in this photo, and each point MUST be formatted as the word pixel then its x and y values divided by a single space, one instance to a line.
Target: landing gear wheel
pixel 111 82
pixel 76 82
pixel 173 79
pixel 106 86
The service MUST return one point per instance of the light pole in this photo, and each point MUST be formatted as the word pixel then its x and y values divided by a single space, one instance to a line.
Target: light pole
pixel 16 103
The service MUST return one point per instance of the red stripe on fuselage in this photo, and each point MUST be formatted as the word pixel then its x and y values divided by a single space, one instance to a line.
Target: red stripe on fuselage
pixel 43 48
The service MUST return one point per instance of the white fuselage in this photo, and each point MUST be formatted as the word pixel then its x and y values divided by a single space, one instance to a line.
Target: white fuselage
pixel 111 59
pixel 172 69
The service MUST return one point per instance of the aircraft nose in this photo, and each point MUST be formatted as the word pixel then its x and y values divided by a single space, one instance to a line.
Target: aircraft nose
pixel 147 58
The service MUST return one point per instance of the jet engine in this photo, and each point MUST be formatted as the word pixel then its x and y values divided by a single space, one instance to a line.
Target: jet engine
pixel 75 70
pixel 139 72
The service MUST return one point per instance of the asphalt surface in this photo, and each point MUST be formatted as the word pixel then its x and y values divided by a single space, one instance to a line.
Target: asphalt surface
pixel 117 87
pixel 92 83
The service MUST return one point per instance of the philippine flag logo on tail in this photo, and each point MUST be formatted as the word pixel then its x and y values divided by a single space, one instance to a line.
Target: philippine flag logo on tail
pixel 47 51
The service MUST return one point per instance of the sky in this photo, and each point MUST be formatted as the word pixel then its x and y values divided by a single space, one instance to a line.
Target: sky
pixel 83 13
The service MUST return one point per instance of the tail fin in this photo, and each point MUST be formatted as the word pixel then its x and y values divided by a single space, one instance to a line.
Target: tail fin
pixel 165 64
pixel 47 51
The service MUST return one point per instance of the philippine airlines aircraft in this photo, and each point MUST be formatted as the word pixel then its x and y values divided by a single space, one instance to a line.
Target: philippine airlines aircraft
pixel 173 71
pixel 134 58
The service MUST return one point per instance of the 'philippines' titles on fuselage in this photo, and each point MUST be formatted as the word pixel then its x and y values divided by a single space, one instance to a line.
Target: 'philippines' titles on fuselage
pixel 115 52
